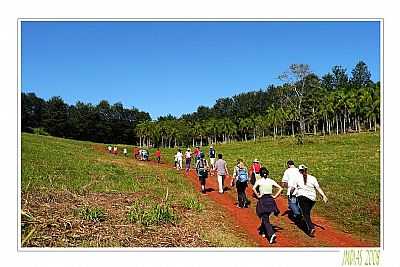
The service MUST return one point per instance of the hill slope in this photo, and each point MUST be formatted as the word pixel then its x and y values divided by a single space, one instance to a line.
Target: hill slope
pixel 75 196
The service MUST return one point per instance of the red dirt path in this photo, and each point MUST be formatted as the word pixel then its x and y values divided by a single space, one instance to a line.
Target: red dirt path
pixel 325 235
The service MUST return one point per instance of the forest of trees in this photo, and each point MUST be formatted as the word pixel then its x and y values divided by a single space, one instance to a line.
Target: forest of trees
pixel 103 123
pixel 303 104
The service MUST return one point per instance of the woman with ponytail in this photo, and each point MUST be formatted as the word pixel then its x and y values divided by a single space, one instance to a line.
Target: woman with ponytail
pixel 266 203
pixel 306 187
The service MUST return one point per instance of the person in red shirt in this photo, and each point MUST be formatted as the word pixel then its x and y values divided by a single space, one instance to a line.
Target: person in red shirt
pixel 158 155
pixel 255 171
pixel 197 153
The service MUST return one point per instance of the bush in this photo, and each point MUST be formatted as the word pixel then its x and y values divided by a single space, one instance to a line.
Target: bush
pixel 40 131
pixel 153 215
pixel 192 203
pixel 91 214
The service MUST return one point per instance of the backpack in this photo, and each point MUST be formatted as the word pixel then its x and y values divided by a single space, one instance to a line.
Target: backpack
pixel 212 153
pixel 242 175
pixel 201 168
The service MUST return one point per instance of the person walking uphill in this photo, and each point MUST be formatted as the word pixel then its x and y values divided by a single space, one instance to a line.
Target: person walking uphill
pixel 158 155
pixel 188 160
pixel 202 171
pixel 211 154
pixel 179 157
pixel 255 171
pixel 222 172
pixel 307 196
pixel 241 178
pixel 266 203
pixel 197 153
pixel 290 176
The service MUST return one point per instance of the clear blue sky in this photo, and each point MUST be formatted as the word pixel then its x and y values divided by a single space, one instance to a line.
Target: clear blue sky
pixel 173 67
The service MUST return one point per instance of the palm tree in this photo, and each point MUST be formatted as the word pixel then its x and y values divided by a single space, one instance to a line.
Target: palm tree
pixel 244 125
pixel 290 115
pixel 275 117
pixel 142 132
pixel 230 128
pixel 212 129
pixel 259 124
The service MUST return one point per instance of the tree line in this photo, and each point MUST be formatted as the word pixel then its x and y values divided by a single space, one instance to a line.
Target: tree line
pixel 303 104
pixel 103 123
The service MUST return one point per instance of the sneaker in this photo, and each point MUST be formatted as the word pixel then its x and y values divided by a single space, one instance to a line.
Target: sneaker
pixel 312 232
pixel 272 239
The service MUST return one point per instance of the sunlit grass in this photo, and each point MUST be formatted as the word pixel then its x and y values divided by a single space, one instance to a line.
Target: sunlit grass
pixel 159 195
pixel 346 166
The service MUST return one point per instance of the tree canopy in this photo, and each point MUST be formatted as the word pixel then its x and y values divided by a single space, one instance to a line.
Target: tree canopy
pixel 303 104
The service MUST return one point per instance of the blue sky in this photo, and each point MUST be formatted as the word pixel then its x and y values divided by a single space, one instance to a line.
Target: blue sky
pixel 173 67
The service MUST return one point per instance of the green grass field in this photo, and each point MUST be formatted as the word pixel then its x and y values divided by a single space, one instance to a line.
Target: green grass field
pixel 151 196
pixel 346 166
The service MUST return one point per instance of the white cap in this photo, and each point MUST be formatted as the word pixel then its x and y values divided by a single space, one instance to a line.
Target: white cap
pixel 302 167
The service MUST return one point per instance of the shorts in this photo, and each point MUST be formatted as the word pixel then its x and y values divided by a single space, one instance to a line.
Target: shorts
pixel 212 161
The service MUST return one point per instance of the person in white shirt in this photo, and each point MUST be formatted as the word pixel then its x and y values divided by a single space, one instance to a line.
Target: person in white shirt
pixel 188 160
pixel 125 152
pixel 290 176
pixel 179 157
pixel 266 203
pixel 222 171
pixel 109 149
pixel 306 195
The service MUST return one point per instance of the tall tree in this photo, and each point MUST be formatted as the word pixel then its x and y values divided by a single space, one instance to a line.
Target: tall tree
pixel 296 78
pixel 32 111
pixel 340 78
pixel 56 116
pixel 361 77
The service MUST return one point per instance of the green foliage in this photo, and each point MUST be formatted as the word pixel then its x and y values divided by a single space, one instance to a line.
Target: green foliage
pixel 191 202
pixel 95 214
pixel 305 103
pixel 102 123
pixel 151 214
pixel 40 131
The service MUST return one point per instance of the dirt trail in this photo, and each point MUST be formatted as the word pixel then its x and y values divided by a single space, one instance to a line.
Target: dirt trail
pixel 289 235
pixel 325 236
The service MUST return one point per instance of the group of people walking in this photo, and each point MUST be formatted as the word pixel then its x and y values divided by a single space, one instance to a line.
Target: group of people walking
pixel 137 153
pixel 301 187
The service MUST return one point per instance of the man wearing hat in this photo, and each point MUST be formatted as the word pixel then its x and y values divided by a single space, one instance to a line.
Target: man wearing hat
pixel 306 187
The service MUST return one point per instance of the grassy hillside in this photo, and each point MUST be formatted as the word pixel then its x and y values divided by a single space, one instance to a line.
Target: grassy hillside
pixel 346 166
pixel 74 194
